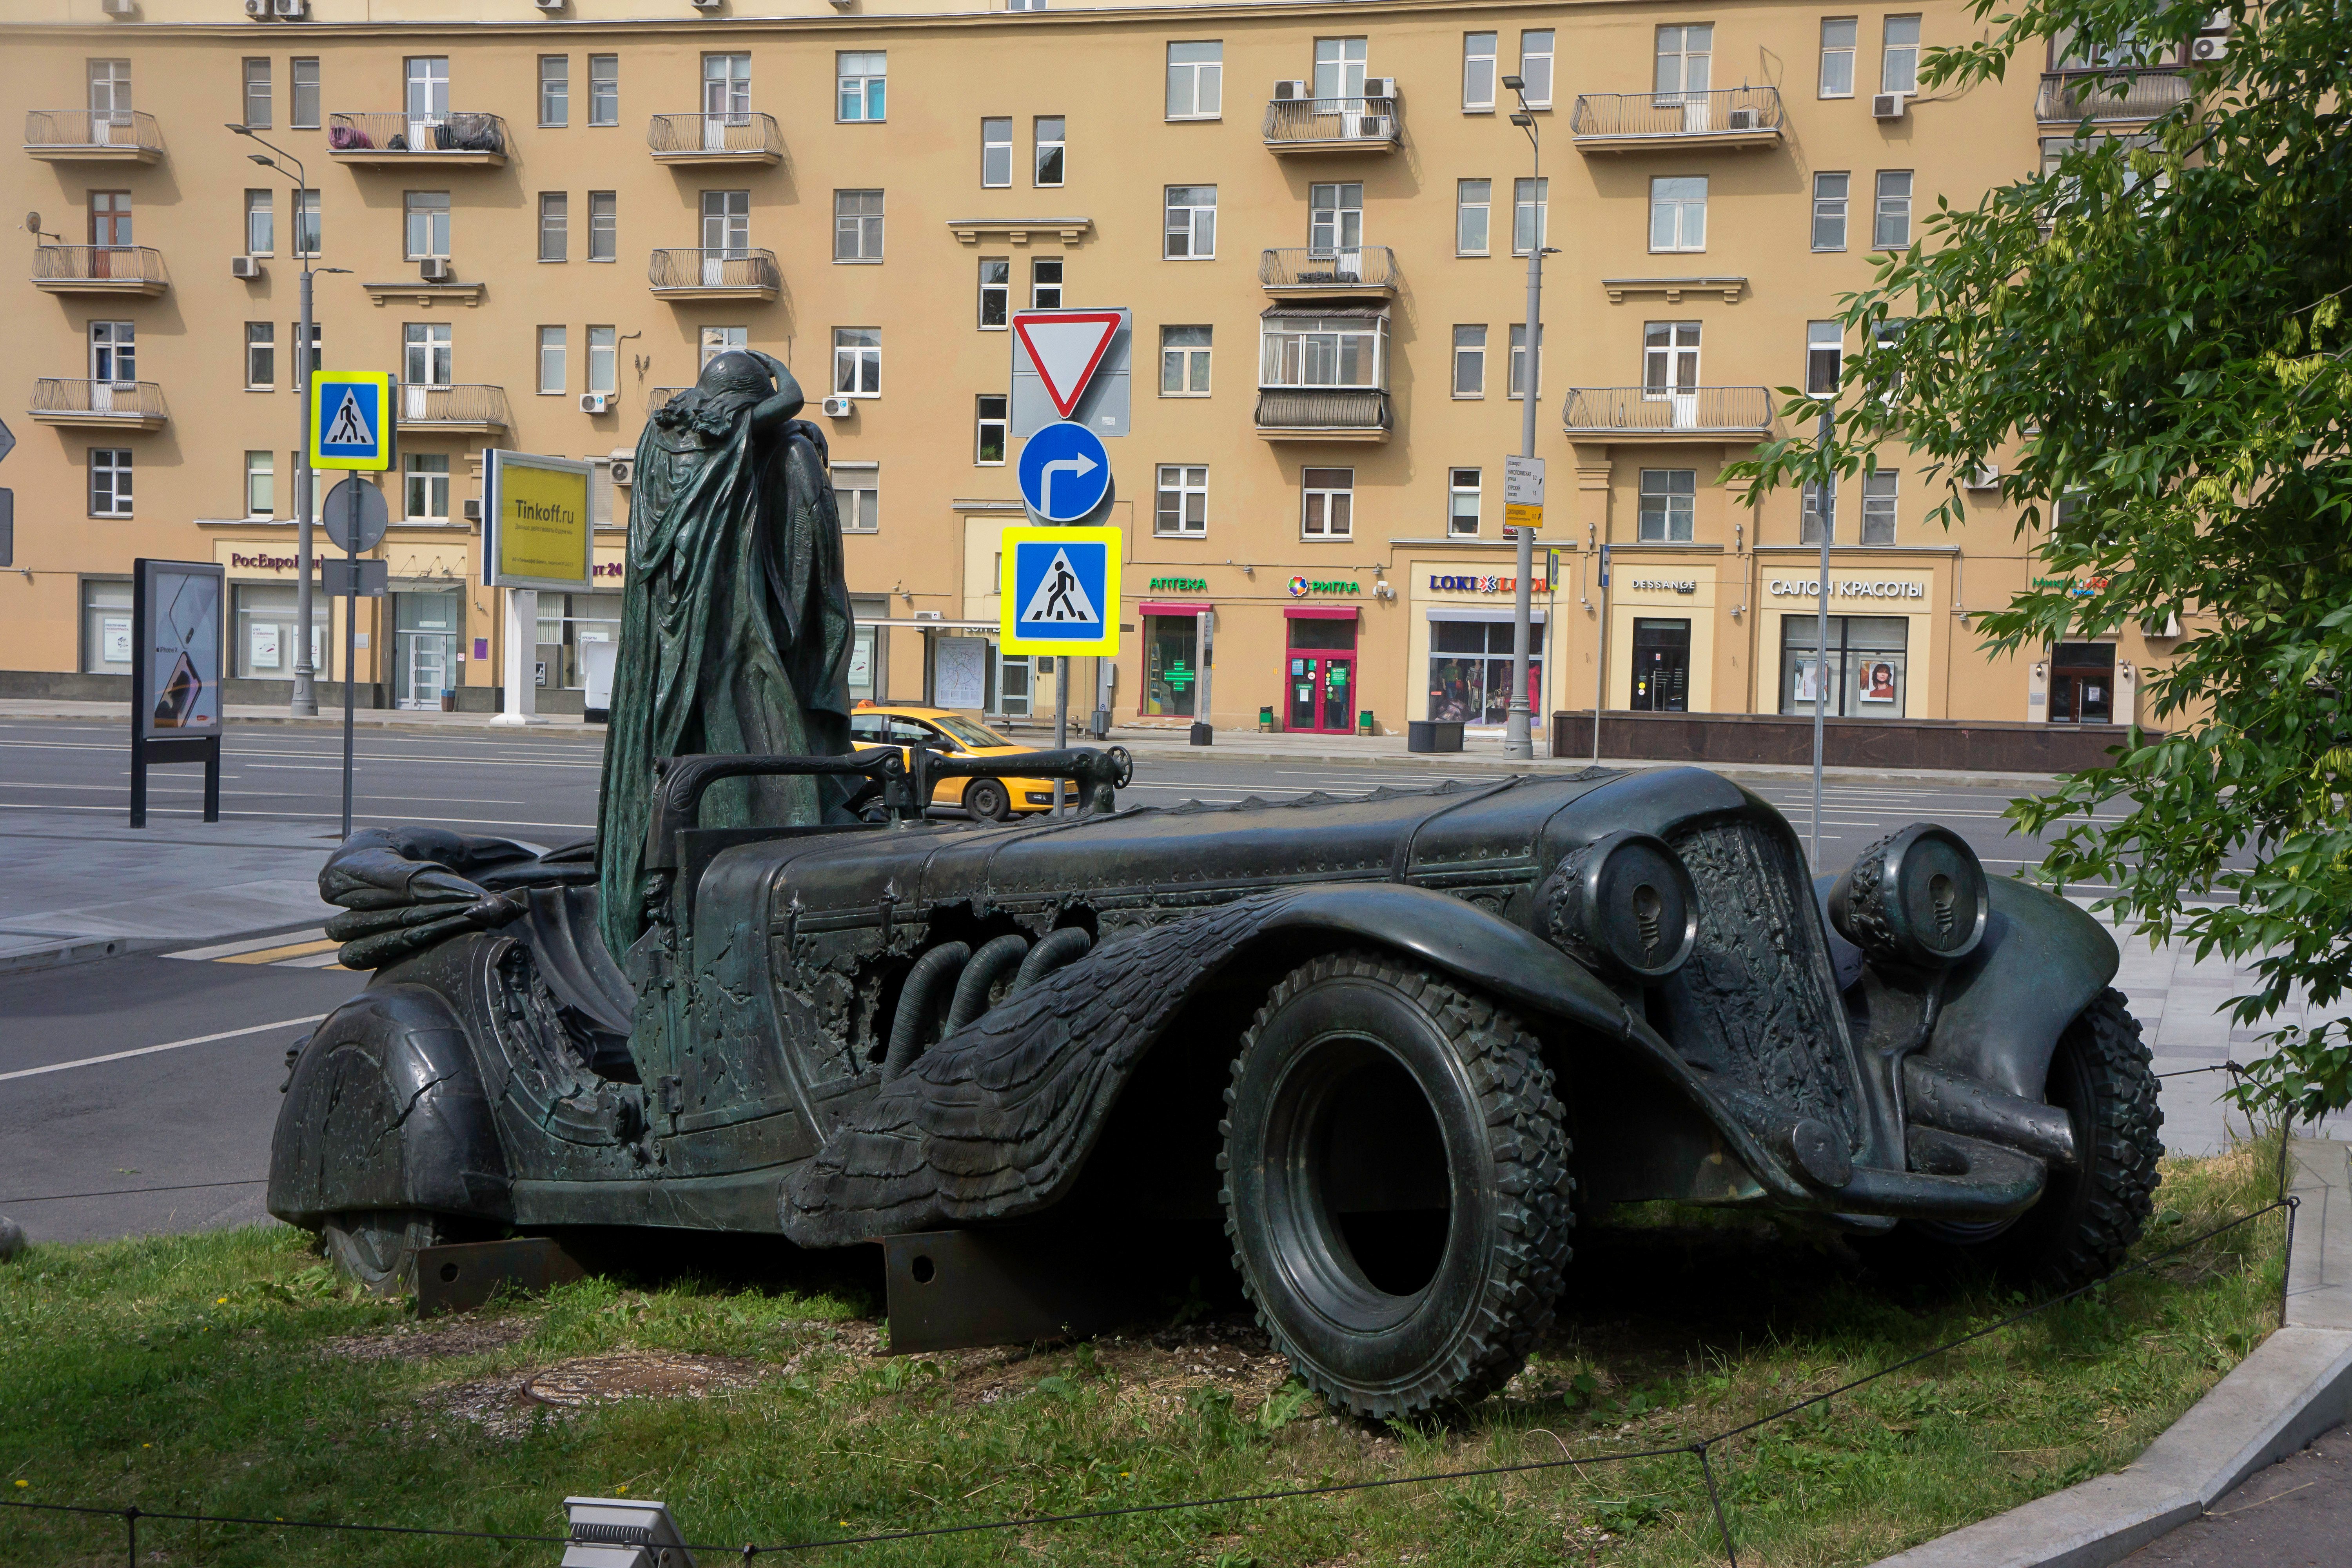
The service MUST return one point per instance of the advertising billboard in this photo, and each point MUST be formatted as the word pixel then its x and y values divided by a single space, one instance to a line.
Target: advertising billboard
pixel 176 633
pixel 535 521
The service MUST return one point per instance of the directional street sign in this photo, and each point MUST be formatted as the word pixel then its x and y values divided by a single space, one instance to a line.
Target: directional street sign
pixel 1060 590
pixel 1071 364
pixel 1523 492
pixel 1065 472
pixel 351 420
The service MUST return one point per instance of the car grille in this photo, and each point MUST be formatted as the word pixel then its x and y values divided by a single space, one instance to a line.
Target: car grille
pixel 1757 1002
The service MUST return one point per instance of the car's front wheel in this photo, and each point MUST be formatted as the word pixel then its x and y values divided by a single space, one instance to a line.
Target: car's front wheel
pixel 1396 1185
pixel 986 797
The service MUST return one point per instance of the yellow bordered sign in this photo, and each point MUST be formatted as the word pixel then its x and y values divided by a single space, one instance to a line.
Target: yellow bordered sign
pixel 351 420
pixel 1060 589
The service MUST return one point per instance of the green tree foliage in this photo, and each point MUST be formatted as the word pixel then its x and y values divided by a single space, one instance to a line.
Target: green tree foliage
pixel 2150 339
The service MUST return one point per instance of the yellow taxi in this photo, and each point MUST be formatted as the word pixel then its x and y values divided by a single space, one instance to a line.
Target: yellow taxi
pixel 953 735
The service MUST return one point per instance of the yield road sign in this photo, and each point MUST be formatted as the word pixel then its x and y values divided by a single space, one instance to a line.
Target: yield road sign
pixel 1060 590
pixel 1071 364
pixel 1065 472
pixel 356 516
pixel 350 421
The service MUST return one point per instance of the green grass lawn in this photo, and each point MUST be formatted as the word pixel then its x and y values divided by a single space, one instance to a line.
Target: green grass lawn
pixel 233 1373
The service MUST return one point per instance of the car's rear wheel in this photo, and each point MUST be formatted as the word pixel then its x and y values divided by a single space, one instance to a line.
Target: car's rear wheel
pixel 378 1247
pixel 988 798
pixel 1396 1185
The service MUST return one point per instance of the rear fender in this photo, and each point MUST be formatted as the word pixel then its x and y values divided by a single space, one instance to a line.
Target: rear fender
pixel 384 1110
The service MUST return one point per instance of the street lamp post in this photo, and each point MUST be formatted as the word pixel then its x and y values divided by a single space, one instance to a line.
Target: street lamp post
pixel 1518 738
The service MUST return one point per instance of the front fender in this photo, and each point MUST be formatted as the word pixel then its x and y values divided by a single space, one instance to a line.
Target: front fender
pixel 384 1110
pixel 2042 960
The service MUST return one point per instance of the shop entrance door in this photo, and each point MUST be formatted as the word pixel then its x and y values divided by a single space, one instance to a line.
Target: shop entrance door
pixel 425 626
pixel 2083 683
pixel 1661 666
pixel 1321 687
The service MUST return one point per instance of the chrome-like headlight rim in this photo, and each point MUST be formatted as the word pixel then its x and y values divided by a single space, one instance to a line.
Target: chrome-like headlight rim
pixel 1625 906
pixel 1916 898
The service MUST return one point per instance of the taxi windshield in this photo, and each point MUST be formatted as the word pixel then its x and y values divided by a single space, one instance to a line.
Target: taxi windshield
pixel 964 732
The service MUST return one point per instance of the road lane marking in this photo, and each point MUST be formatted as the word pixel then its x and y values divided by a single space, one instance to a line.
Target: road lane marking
pixel 291 949
pixel 167 1045
pixel 250 945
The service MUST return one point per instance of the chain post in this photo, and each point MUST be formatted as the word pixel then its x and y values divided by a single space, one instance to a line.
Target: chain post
pixel 1714 1497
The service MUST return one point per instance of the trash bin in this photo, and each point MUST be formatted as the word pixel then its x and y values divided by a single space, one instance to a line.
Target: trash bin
pixel 1433 735
pixel 1364 725
pixel 448 699
pixel 1265 720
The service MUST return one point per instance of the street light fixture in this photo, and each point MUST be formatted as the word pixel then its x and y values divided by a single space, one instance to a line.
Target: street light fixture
pixel 1518 738
pixel 306 697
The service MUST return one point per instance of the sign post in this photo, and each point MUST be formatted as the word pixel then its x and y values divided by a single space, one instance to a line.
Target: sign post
pixel 176 674
pixel 348 424
pixel 535 535
pixel 1059 595
pixel 356 520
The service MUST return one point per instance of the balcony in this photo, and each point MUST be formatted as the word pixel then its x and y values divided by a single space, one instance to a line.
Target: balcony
pixel 1333 125
pixel 442 140
pixel 98 270
pixel 731 274
pixel 1636 414
pixel 1367 272
pixel 1323 414
pixel 467 409
pixel 100 405
pixel 1730 120
pixel 659 396
pixel 80 136
pixel 2108 97
pixel 715 139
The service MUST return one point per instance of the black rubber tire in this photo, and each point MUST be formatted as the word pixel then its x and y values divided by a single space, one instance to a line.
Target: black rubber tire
pixel 378 1247
pixel 2086 1219
pixel 987 798
pixel 1339 1045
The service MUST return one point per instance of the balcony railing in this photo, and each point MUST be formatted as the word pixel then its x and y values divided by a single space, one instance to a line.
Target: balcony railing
pixel 468 407
pixel 2068 97
pixel 1362 269
pixel 659 396
pixel 137 404
pixel 1326 124
pixel 716 138
pixel 66 134
pixel 1728 116
pixel 98 270
pixel 735 273
pixel 388 138
pixel 1332 414
pixel 1636 413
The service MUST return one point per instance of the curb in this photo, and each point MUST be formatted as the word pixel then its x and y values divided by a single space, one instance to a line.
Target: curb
pixel 2295 1385
pixel 1457 761
pixel 89 949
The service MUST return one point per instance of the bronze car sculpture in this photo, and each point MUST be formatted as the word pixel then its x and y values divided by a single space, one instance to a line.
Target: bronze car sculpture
pixel 1397 1042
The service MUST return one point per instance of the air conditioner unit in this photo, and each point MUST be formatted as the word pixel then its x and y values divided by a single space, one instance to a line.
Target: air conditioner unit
pixel 1742 120
pixel 1984 478
pixel 1290 91
pixel 1380 86
pixel 838 408
pixel 120 7
pixel 2203 49
pixel 258 10
pixel 246 266
pixel 473 510
pixel 2162 624
pixel 435 270
pixel 596 402
pixel 551 4
pixel 1887 106
pixel 707 5
pixel 292 10
pixel 625 471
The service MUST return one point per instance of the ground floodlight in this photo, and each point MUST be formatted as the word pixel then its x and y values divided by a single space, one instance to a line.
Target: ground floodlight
pixel 623 1532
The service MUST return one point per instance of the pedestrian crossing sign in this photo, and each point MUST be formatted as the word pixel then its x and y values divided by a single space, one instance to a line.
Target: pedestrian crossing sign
pixel 351 420
pixel 1060 590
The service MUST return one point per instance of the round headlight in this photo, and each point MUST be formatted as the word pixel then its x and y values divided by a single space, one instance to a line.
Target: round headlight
pixel 1624 905
pixel 1916 897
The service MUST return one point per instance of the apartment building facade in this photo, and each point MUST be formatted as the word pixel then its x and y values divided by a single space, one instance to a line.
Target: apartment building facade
pixel 543 218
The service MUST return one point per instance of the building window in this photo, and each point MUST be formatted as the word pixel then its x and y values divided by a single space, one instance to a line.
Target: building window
pixel 1478 73
pixel 260 223
pixel 306 222
pixel 861 78
pixel 1810 512
pixel 1898 63
pixel 1050 141
pixel 1334 217
pixel 1685 57
pixel 1196 80
pixel 110 481
pixel 1837 57
pixel 857 360
pixel 995 293
pixel 604 226
pixel 260 487
pixel 857 225
pixel 1024 5
pixel 1472 207
pixel 1323 351
pixel 1192 224
pixel 427 354
pixel 1678 213
pixel 1867 666
pixel 555 90
pixel 1890 228
pixel 604 359
pixel 106 626
pixel 1519 360
pixel 114 351
pixel 260 355
pixel 294 336
pixel 857 496
pixel 1185 362
pixel 1338 70
pixel 1045 284
pixel 257 94
pixel 717 341
pixel 1470 361
pixel 1530 215
pixel 1535 67
pixel 726 223
pixel 110 88
pixel 427 227
pixel 1330 503
pixel 1462 503
pixel 551 360
pixel 603 89
pixel 1183 499
pixel 995 151
pixel 726 93
pixel 1824 357
pixel 991 412
pixel 555 225
pixel 1669 358
pixel 425 477
pixel 1879 488
pixel 1829 210
pixel 1667 497
pixel 302 93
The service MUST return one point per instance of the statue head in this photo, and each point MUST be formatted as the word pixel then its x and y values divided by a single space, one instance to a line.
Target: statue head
pixel 736 371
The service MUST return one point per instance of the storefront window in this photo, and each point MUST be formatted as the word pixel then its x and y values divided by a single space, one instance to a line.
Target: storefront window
pixel 1470 670
pixel 265 644
pixel 2083 683
pixel 1172 665
pixel 1011 682
pixel 1661 665
pixel 566 621
pixel 1868 666
pixel 427 628
pixel 105 628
